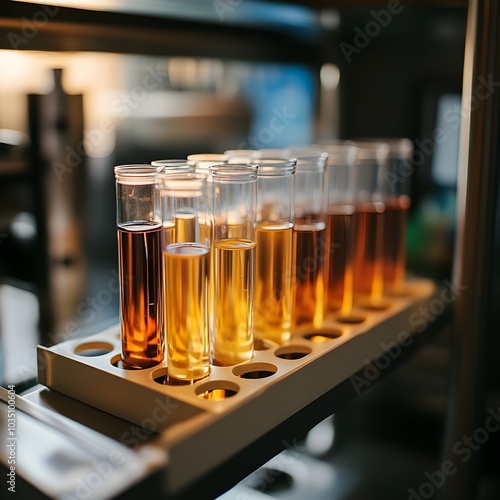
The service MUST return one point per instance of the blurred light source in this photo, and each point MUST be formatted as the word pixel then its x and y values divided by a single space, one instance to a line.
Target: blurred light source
pixel 320 438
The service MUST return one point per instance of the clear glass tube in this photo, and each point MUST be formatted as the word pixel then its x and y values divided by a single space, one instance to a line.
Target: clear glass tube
pixel 186 268
pixel 309 233
pixel 370 166
pixel 396 186
pixel 173 165
pixel 140 267
pixel 213 158
pixel 239 156
pixel 340 229
pixel 234 190
pixel 273 290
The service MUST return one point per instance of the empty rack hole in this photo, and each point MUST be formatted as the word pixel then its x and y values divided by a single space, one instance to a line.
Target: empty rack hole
pixel 217 390
pixel 255 370
pixel 292 351
pixel 352 319
pixel 93 349
pixel 323 335
pixel 380 305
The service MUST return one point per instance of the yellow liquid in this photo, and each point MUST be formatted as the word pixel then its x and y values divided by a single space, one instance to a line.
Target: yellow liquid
pixel 233 301
pixel 308 266
pixel 186 268
pixel 273 284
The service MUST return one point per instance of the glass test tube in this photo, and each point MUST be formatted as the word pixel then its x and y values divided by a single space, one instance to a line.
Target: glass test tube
pixel 239 156
pixel 186 267
pixel 172 165
pixel 273 289
pixel 340 229
pixel 397 183
pixel 139 263
pixel 369 169
pixel 214 158
pixel 309 236
pixel 233 246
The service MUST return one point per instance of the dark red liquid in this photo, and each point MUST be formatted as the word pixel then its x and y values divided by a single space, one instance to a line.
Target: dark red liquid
pixel 139 260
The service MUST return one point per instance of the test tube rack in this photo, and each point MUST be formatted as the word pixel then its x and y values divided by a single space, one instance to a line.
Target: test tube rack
pixel 240 402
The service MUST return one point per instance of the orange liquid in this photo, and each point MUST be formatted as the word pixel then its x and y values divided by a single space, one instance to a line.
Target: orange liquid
pixel 339 264
pixel 369 259
pixel 140 270
pixel 396 214
pixel 308 264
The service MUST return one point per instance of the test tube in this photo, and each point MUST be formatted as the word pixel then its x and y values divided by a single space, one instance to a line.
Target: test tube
pixel 397 183
pixel 340 227
pixel 214 158
pixel 370 166
pixel 233 246
pixel 172 165
pixel 310 198
pixel 139 264
pixel 239 156
pixel 186 267
pixel 274 238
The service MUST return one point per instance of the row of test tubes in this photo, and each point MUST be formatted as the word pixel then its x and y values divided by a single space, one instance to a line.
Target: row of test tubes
pixel 218 252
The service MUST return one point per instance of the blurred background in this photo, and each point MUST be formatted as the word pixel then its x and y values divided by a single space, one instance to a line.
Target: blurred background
pixel 99 84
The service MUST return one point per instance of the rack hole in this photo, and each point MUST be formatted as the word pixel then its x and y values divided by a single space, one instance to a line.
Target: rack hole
pixel 161 377
pixel 323 336
pixel 352 319
pixel 118 363
pixel 93 349
pixel 255 370
pixel 292 352
pixel 217 390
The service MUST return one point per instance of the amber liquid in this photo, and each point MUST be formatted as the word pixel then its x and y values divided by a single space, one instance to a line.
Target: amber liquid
pixel 396 214
pixel 273 284
pixel 185 282
pixel 369 259
pixel 308 268
pixel 233 276
pixel 339 262
pixel 139 260
pixel 183 229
